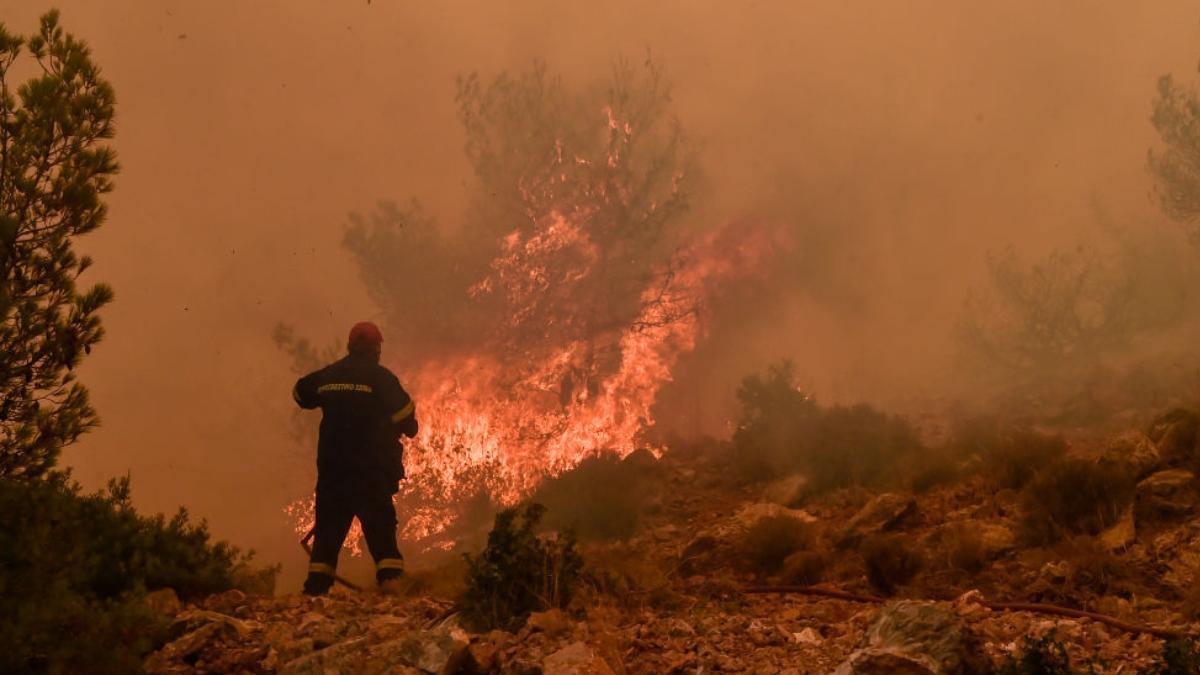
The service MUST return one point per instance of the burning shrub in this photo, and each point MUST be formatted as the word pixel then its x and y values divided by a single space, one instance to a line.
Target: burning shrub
pixel 519 572
pixel 78 565
pixel 771 539
pixel 783 430
pixel 602 498
pixel 891 562
pixel 1073 496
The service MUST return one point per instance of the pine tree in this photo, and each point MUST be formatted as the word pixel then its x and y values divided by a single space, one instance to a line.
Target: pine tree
pixel 55 167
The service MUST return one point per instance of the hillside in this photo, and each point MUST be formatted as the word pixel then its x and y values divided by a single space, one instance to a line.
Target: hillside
pixel 687 591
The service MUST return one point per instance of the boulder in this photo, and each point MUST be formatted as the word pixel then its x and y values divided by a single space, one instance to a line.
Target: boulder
pixel 918 638
pixel 884 513
pixel 1174 434
pixel 442 650
pixel 192 618
pixel 188 645
pixel 483 654
pixel 1166 494
pixel 996 536
pixel 886 661
pixel 1133 452
pixel 576 658
pixel 344 657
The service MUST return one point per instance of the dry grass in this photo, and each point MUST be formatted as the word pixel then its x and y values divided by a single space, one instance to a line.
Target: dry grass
pixel 1071 497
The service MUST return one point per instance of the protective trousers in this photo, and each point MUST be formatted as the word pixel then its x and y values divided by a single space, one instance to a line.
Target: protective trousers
pixel 335 509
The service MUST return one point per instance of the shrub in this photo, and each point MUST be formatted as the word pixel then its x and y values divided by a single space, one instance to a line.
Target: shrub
pixel 519 572
pixel 1094 568
pixel 1010 455
pixel 1020 454
pixel 1180 656
pixel 932 469
pixel 804 568
pixel 1190 603
pixel 857 445
pixel 775 416
pixel 1039 656
pixel 75 564
pixel 964 549
pixel 602 498
pixel 891 562
pixel 1073 496
pixel 622 572
pixel 771 539
pixel 782 430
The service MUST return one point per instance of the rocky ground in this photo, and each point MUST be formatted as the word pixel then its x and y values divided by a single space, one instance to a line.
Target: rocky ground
pixel 672 598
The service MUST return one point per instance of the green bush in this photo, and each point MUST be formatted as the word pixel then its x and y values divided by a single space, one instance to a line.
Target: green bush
pixel 76 564
pixel 602 498
pixel 783 430
pixel 519 572
pixel 1073 496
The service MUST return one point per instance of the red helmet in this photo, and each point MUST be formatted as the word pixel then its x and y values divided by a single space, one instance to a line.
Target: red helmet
pixel 364 335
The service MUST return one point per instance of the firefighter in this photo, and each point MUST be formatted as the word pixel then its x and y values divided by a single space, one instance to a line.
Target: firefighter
pixel 359 455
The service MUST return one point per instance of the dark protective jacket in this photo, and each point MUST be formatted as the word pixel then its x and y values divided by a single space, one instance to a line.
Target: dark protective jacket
pixel 365 410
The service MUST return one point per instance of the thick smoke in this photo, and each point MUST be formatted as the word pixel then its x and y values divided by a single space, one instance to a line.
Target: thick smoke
pixel 897 145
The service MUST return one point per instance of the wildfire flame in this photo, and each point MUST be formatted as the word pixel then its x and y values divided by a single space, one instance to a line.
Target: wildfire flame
pixel 499 421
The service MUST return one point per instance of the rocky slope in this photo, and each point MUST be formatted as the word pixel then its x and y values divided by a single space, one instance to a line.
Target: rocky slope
pixel 674 597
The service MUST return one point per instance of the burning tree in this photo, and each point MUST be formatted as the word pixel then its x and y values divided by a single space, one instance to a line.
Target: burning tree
pixel 584 209
pixel 539 332
pixel 54 169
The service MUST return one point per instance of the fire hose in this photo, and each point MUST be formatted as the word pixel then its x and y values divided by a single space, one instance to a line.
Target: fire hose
pixel 308 549
pixel 1038 608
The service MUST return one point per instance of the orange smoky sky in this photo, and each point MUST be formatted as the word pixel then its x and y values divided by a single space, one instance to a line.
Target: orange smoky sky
pixel 899 141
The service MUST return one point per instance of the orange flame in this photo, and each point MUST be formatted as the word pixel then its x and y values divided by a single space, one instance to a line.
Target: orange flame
pixel 497 423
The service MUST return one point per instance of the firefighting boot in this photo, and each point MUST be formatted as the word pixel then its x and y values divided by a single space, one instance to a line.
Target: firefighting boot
pixel 319 580
pixel 389 568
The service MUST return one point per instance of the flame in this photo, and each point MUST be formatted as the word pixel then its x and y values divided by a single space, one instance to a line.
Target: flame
pixel 499 420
